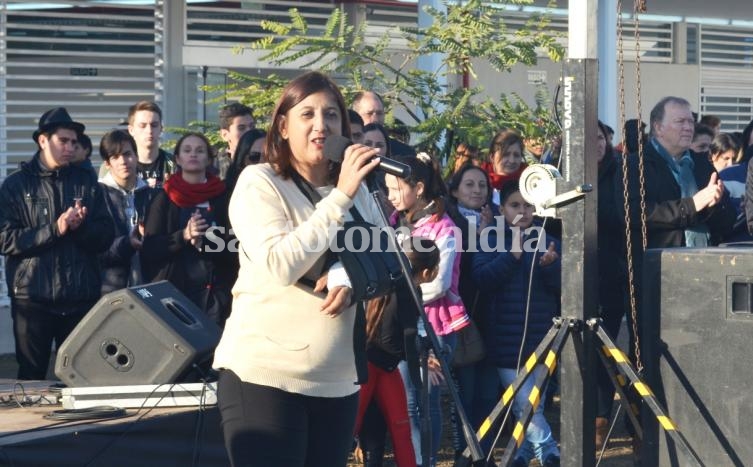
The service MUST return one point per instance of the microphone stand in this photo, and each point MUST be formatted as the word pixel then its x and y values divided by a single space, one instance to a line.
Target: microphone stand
pixel 468 432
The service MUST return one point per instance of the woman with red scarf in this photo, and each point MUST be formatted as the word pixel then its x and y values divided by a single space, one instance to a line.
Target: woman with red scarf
pixel 186 233
pixel 505 160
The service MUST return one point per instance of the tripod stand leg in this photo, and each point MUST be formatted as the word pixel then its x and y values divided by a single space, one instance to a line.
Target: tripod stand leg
pixel 624 366
pixel 498 411
pixel 543 372
pixel 621 385
pixel 426 432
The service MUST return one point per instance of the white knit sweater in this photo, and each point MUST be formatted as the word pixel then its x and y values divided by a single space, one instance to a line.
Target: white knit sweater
pixel 276 334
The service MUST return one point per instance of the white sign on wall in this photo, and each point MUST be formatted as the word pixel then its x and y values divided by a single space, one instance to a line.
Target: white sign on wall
pixel 536 77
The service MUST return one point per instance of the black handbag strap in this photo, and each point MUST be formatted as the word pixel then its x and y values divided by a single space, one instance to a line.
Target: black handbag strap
pixel 359 324
pixel 308 191
pixel 314 197
pixel 356 215
pixel 472 311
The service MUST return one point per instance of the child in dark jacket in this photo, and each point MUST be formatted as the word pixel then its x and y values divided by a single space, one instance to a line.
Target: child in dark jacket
pixel 386 320
pixel 515 319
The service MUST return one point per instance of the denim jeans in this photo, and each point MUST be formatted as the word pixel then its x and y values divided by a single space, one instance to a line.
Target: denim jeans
pixel 413 395
pixel 479 389
pixel 539 440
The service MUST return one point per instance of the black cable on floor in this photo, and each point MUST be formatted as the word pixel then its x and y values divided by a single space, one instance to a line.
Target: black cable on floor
pixel 92 413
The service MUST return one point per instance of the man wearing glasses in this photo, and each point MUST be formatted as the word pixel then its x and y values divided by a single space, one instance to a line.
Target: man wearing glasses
pixel 370 107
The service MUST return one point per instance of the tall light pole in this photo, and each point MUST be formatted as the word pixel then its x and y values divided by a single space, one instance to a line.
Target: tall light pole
pixel 579 274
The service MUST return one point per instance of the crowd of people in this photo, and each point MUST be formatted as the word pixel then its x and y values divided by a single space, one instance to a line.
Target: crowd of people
pixel 290 392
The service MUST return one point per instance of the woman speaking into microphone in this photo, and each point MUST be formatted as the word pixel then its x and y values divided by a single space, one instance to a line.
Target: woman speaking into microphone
pixel 286 390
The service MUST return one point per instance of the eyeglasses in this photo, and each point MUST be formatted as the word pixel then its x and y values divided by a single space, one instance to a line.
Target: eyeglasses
pixel 254 157
pixel 469 155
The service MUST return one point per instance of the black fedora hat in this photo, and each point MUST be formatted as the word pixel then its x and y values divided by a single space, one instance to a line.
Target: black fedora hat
pixel 56 118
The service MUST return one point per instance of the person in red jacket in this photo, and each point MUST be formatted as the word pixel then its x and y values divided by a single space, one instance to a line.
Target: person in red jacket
pixel 506 160
pixel 387 319
pixel 186 232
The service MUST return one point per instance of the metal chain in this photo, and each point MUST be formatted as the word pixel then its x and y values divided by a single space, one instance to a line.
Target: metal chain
pixel 640 7
pixel 626 204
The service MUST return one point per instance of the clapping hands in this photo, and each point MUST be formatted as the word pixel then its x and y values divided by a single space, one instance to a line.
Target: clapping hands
pixel 549 256
pixel 195 228
pixel 72 218
pixel 710 195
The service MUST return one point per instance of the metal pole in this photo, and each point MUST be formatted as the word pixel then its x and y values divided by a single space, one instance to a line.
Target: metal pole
pixel 579 274
pixel 4 300
pixel 3 89
pixel 160 54
pixel 608 108
pixel 432 63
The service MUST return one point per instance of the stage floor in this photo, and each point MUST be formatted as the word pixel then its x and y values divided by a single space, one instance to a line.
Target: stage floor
pixel 175 436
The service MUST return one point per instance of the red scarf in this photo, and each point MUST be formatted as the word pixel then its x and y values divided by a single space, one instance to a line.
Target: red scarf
pixel 187 195
pixel 499 180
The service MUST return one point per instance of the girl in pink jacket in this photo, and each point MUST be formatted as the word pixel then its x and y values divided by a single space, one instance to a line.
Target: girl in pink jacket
pixel 419 209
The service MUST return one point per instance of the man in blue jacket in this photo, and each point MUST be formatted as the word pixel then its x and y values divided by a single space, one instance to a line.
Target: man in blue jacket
pixel 53 224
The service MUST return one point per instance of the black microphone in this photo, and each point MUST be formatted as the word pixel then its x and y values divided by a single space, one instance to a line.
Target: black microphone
pixel 334 150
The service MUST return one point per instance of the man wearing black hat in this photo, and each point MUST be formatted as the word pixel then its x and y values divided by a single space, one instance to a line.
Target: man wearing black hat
pixel 53 225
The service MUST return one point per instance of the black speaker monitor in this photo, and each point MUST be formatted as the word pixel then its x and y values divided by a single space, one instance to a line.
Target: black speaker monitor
pixel 697 346
pixel 149 334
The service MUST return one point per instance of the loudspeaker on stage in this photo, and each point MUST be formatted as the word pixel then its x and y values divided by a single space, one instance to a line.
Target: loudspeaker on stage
pixel 149 334
pixel 697 342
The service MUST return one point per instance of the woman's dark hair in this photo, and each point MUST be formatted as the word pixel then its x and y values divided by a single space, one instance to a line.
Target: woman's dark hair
pixel 746 135
pixel 425 169
pixel 380 128
pixel 502 141
pixel 355 117
pixel 608 149
pixel 467 150
pixel 278 151
pixel 457 178
pixel 724 142
pixel 86 143
pixel 701 129
pixel 510 187
pixel 635 132
pixel 243 155
pixel 423 254
pixel 210 149
pixel 113 143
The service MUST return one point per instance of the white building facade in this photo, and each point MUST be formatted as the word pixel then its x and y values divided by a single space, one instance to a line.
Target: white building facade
pixel 97 57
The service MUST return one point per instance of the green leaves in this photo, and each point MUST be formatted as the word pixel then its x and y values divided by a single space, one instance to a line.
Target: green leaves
pixel 466 34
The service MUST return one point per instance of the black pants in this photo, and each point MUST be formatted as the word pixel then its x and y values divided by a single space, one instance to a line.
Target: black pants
pixel 35 328
pixel 373 436
pixel 265 426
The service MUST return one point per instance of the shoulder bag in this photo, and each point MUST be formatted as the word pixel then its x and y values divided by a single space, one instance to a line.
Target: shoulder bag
pixel 470 347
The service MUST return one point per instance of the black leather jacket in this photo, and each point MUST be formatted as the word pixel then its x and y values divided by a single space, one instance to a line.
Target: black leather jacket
pixel 42 266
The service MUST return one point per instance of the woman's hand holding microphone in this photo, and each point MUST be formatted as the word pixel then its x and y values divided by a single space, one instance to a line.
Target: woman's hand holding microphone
pixel 358 162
